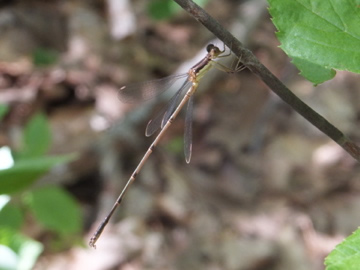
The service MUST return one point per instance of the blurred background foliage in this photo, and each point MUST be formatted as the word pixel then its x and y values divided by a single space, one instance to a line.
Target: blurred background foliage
pixel 264 190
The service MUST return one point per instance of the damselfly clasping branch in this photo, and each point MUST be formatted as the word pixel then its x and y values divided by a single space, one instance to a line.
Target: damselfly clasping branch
pixel 147 90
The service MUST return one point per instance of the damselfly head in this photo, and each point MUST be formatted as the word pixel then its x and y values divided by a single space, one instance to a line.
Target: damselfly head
pixel 213 50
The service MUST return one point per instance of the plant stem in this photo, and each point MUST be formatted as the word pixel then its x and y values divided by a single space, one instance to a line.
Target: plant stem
pixel 254 65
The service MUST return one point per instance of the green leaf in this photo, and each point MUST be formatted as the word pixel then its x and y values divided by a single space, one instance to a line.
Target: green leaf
pixel 26 171
pixel 44 57
pixel 11 216
pixel 55 209
pixel 17 250
pixel 346 255
pixel 313 72
pixel 3 110
pixel 37 137
pixel 162 9
pixel 319 35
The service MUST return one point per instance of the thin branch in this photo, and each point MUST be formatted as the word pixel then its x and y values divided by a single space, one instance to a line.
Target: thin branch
pixel 255 66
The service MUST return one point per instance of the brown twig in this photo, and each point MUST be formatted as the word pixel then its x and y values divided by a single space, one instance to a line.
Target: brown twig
pixel 255 66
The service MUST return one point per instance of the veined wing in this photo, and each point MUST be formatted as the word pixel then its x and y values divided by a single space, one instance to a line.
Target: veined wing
pixel 188 130
pixel 142 91
pixel 164 114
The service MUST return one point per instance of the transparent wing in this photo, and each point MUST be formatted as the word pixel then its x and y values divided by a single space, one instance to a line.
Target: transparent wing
pixel 164 114
pixel 142 91
pixel 188 130
pixel 186 85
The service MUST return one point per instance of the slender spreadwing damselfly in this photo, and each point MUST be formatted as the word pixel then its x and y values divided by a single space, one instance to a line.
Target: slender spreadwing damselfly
pixel 147 90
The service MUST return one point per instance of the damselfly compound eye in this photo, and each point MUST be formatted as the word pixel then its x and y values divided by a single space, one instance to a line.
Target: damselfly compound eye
pixel 209 47
pixel 184 94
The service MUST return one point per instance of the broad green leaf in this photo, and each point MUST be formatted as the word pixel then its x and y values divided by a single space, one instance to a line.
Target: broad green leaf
pixel 11 216
pixel 346 255
pixel 313 72
pixel 26 171
pixel 3 110
pixel 55 209
pixel 319 35
pixel 36 138
pixel 17 251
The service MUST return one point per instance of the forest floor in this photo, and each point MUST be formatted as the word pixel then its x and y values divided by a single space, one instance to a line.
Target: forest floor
pixel 264 189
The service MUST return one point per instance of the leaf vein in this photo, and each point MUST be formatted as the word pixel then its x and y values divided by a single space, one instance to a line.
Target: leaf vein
pixel 324 19
pixel 345 28
pixel 327 45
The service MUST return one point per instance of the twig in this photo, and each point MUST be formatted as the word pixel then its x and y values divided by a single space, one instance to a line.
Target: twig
pixel 254 65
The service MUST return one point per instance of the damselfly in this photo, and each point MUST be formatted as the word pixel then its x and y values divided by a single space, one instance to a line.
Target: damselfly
pixel 147 90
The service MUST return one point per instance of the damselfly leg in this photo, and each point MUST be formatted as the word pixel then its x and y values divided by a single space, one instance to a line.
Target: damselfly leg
pixel 147 90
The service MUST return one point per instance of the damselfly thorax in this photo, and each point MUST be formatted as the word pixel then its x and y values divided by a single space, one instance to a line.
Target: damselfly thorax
pixel 147 90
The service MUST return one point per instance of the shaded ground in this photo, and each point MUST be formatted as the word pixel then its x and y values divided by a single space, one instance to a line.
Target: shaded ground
pixel 264 190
